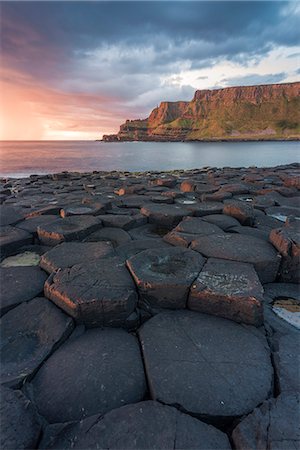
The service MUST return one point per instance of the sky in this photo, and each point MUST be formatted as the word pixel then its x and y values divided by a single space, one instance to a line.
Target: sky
pixel 77 70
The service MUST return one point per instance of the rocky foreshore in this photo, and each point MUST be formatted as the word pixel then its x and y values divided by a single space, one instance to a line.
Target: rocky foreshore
pixel 151 310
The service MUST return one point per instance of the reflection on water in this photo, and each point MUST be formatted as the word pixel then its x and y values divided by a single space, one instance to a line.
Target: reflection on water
pixel 22 158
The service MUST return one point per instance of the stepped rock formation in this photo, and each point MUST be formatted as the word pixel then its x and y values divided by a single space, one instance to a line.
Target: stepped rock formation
pixel 265 112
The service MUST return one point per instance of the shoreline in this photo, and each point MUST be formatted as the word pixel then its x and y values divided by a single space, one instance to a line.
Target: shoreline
pixel 294 139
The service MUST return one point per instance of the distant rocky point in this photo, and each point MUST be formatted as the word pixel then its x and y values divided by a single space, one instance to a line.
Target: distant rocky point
pixel 264 112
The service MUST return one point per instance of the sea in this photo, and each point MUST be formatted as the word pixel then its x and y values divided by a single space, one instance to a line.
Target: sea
pixel 23 158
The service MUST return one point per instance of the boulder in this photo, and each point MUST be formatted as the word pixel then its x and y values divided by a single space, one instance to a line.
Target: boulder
pixel 68 254
pixel 69 229
pixel 29 334
pixel 241 248
pixel 95 293
pixel 228 289
pixel 20 284
pixel 143 426
pixel 20 427
pixel 210 367
pixel 164 276
pixel 91 374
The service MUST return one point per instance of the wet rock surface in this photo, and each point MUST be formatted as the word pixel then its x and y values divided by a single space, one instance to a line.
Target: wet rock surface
pixel 117 251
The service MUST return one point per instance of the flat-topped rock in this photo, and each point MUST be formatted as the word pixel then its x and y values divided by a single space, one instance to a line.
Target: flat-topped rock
pixel 283 212
pixel 221 220
pixel 26 258
pixel 29 333
pixel 190 229
pixel 116 236
pixel 134 247
pixel 148 231
pixel 210 367
pixel 287 241
pixel 68 229
pixel 12 238
pixel 205 208
pixel 31 224
pixel 241 211
pixel 97 293
pixel 92 374
pixel 287 361
pixel 167 216
pixel 10 215
pixel 228 289
pixel 143 426
pixel 164 276
pixel 20 428
pixel 127 222
pixel 274 425
pixel 20 284
pixel 68 254
pixel 241 248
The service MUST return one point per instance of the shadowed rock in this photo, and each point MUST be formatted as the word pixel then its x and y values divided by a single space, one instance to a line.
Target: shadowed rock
pixel 117 236
pixel 236 247
pixel 10 215
pixel 29 333
pixel 166 216
pixel 228 289
pixel 211 367
pixel 69 229
pixel 222 221
pixel 20 284
pixel 131 248
pixel 32 223
pixel 287 361
pixel 190 229
pixel 164 276
pixel 149 231
pixel 96 293
pixel 287 241
pixel 241 211
pixel 68 254
pixel 127 222
pixel 274 425
pixel 12 238
pixel 142 426
pixel 205 208
pixel 20 428
pixel 91 374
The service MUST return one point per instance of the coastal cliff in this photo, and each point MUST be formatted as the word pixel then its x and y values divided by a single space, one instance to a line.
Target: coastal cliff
pixel 263 112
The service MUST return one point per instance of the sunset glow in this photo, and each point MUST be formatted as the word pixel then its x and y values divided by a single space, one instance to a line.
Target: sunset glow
pixel 107 62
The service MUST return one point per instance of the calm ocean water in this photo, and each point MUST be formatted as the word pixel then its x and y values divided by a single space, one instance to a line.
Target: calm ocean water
pixel 22 158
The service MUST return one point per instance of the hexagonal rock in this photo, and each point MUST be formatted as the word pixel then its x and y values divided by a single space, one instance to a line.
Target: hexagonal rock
pixel 12 238
pixel 116 236
pixel 167 216
pixel 287 241
pixel 10 215
pixel 206 208
pixel 92 374
pixel 125 251
pixel 189 229
pixel 210 367
pixel 19 284
pixel 20 428
pixel 97 293
pixel 126 222
pixel 287 361
pixel 274 425
pixel 238 247
pixel 32 223
pixel 222 221
pixel 149 231
pixel 81 210
pixel 228 289
pixel 241 211
pixel 164 276
pixel 68 254
pixel 283 212
pixel 152 426
pixel 69 229
pixel 30 332
pixel 251 231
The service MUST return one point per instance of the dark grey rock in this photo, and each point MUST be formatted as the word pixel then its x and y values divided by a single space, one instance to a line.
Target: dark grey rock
pixel 91 374
pixel 241 211
pixel 142 426
pixel 167 216
pixel 11 239
pixel 126 222
pixel 236 247
pixel 287 361
pixel 116 236
pixel 221 220
pixel 164 276
pixel 205 208
pixel 10 215
pixel 29 333
pixel 211 367
pixel 68 254
pixel 32 223
pixel 69 229
pixel 97 293
pixel 228 289
pixel 274 425
pixel 287 241
pixel 20 428
pixel 190 229
pixel 20 284
pixel 149 231
pixel 131 248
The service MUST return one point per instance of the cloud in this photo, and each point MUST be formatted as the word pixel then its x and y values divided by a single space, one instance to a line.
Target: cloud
pixel 254 78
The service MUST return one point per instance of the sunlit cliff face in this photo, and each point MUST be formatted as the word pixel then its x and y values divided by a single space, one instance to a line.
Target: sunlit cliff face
pixel 78 70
